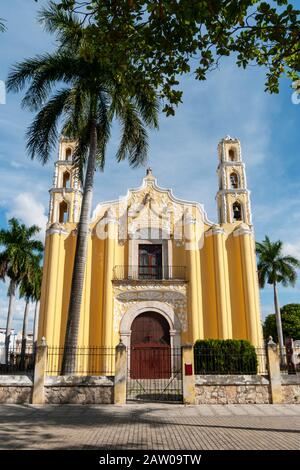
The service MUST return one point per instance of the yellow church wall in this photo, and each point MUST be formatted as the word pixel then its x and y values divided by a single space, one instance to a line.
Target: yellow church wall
pixel 208 282
pixel 84 330
pixel 97 288
pixel 178 255
pixel 54 293
pixel 200 333
pixel 254 333
pixel 222 294
pixel 44 290
pixel 110 248
pixel 222 291
pixel 237 301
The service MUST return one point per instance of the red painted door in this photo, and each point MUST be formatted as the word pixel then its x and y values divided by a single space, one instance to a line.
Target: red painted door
pixel 150 347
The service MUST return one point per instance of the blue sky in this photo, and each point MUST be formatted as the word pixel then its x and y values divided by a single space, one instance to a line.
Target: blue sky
pixel 183 154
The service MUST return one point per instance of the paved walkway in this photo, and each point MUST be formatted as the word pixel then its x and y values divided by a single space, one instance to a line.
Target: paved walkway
pixel 151 426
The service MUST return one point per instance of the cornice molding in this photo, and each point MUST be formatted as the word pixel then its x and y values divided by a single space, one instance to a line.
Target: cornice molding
pixel 242 230
pixel 216 230
pixel 57 228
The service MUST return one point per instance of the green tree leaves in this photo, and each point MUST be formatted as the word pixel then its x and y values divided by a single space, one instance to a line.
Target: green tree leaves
pixel 153 41
pixel 290 317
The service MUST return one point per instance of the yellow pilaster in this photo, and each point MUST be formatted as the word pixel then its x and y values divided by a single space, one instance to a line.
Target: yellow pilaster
pixel 44 289
pixel 250 285
pixel 199 296
pixel 193 315
pixel 51 290
pixel 222 284
pixel 84 332
pixel 108 291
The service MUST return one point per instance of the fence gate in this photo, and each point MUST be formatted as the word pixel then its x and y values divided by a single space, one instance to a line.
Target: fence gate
pixel 154 374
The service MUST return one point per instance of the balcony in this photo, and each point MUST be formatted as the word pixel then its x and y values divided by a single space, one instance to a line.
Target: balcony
pixel 149 273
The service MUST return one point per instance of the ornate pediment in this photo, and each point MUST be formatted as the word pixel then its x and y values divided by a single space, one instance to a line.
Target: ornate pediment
pixel 151 207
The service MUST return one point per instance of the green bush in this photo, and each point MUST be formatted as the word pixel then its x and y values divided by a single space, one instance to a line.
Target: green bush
pixel 230 356
pixel 290 319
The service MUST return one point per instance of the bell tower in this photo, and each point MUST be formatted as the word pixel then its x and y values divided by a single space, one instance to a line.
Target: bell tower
pixel 66 193
pixel 233 197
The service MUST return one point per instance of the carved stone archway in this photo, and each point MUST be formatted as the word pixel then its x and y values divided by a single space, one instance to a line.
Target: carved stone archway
pixel 154 306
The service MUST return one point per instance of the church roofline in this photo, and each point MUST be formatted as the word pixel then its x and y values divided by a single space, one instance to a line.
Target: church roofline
pixel 152 180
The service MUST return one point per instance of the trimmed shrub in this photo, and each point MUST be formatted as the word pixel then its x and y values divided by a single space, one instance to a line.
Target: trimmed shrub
pixel 229 356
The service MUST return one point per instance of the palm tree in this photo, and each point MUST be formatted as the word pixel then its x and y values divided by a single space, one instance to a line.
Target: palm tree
pixel 276 268
pixel 29 289
pixel 89 102
pixel 19 248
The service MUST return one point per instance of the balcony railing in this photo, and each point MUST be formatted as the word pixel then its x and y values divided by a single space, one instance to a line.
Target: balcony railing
pixel 152 273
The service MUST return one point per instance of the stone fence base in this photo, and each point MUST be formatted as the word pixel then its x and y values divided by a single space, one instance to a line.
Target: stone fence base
pixel 79 390
pixel 243 389
pixel 290 386
pixel 223 389
pixel 209 389
pixel 17 389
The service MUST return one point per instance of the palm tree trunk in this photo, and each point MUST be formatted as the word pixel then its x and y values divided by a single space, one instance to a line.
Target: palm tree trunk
pixel 24 335
pixel 36 322
pixel 278 323
pixel 12 294
pixel 72 330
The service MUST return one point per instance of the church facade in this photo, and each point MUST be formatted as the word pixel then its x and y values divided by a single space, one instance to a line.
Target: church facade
pixel 158 270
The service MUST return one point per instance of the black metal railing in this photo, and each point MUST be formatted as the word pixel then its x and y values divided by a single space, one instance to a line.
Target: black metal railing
pixel 86 360
pixel 15 361
pixel 209 361
pixel 290 360
pixel 153 273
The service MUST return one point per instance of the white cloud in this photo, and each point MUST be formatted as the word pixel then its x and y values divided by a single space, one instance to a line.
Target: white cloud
pixel 292 249
pixel 25 207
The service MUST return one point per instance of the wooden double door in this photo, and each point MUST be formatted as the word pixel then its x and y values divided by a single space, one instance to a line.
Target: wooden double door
pixel 150 352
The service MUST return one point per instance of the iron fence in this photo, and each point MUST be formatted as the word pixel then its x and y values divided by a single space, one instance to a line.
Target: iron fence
pixel 86 360
pixel 290 360
pixel 154 374
pixel 209 361
pixel 14 361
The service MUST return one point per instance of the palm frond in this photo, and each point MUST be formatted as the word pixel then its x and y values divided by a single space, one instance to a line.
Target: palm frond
pixel 148 105
pixel 66 25
pixel 42 134
pixel 274 267
pixel 56 68
pixel 134 141
pixel 104 120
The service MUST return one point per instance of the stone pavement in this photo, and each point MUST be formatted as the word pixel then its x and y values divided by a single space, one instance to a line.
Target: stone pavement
pixel 150 426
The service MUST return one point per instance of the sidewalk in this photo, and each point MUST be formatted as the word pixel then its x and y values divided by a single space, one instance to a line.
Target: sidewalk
pixel 150 426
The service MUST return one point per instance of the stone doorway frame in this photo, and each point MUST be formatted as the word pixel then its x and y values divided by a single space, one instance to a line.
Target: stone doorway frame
pixel 154 306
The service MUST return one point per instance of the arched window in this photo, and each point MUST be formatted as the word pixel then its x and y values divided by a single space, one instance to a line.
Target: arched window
pixel 234 180
pixel 68 153
pixel 231 155
pixel 63 212
pixel 66 179
pixel 236 212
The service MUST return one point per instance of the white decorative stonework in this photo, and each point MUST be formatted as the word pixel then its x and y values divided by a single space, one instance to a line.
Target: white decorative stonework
pixel 171 296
